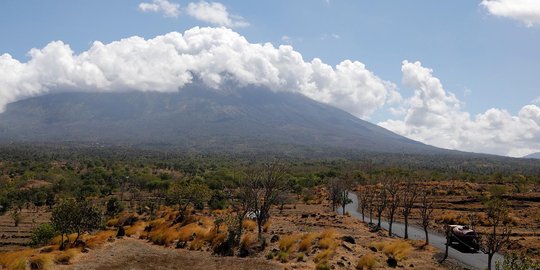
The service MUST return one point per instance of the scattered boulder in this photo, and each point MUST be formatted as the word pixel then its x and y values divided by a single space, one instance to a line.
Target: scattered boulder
pixel 121 232
pixel 374 249
pixel 274 238
pixel 392 262
pixel 348 239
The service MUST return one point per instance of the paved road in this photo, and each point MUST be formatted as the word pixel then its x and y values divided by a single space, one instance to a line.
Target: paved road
pixel 473 260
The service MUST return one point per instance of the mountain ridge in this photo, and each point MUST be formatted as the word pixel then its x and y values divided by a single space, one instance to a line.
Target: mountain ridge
pixel 196 118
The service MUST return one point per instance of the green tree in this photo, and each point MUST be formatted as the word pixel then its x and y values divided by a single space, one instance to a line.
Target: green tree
pixel 75 217
pixel 42 234
pixel 184 193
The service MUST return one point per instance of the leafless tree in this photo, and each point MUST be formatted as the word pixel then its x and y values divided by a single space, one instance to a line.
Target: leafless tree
pixel 410 194
pixel 499 234
pixel 393 189
pixel 380 202
pixel 370 196
pixel 364 200
pixel 262 189
pixel 334 192
pixel 426 210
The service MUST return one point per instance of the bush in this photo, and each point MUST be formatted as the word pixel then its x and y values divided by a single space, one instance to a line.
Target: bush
pixel 322 266
pixel 43 234
pixel 286 242
pixel 114 207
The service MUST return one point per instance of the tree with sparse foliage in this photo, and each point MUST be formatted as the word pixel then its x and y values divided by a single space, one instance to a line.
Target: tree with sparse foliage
pixel 75 217
pixel 262 189
pixel 426 211
pixel 499 233
pixel 114 207
pixel 186 193
pixel 410 194
pixel 380 202
pixel 393 189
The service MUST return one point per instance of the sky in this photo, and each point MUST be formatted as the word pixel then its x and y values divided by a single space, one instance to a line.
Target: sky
pixel 455 74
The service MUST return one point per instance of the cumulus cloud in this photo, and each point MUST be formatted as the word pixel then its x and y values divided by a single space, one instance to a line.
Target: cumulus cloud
pixel 169 62
pixel 435 116
pixel 215 13
pixel 169 9
pixel 526 11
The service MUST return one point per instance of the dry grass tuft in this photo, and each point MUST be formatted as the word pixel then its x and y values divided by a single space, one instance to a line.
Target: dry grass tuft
pixel 324 256
pixel 41 261
pixel 248 239
pixel 136 229
pixel 249 225
pixel 287 241
pixel 64 257
pixel 112 222
pixel 306 242
pixel 367 261
pixel 397 249
pixel 16 260
pixel 266 226
pixel 95 240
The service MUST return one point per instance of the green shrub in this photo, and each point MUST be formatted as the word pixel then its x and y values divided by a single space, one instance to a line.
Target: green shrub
pixel 42 234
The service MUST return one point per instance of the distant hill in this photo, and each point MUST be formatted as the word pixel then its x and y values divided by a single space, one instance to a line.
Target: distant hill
pixel 533 155
pixel 198 119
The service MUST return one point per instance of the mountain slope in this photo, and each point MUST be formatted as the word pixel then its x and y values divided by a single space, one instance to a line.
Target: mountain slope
pixel 533 155
pixel 197 118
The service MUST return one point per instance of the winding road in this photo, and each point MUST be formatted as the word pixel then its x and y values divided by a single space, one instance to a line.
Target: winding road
pixel 474 260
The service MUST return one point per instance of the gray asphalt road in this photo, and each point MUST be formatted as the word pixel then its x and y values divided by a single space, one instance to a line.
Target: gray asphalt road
pixel 473 260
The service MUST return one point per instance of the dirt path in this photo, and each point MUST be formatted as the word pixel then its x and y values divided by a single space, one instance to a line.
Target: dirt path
pixel 135 254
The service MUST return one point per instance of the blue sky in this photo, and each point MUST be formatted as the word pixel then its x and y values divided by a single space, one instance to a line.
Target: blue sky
pixel 487 58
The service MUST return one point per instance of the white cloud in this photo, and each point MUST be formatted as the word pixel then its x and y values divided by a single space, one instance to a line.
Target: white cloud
pixel 169 9
pixel 169 62
pixel 215 13
pixel 536 101
pixel 435 116
pixel 526 11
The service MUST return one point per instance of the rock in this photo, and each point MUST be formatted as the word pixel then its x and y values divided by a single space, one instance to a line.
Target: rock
pixel 374 249
pixel 121 232
pixel 305 215
pixel 391 262
pixel 411 265
pixel 341 264
pixel 274 238
pixel 348 239
pixel 46 250
pixel 181 244
pixel 347 246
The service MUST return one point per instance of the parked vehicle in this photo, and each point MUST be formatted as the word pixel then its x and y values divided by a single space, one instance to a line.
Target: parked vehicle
pixel 465 236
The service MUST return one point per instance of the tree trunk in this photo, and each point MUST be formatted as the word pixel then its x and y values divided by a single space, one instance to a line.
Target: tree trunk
pixel 259 228
pixel 490 258
pixel 379 221
pixel 406 235
pixel 390 222
pixel 427 235
pixel 343 207
pixel 62 242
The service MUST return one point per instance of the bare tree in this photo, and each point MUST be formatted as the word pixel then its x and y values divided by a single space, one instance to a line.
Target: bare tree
pixel 345 185
pixel 426 211
pixel 499 234
pixel 364 200
pixel 334 192
pixel 393 190
pixel 370 196
pixel 380 202
pixel 410 194
pixel 263 188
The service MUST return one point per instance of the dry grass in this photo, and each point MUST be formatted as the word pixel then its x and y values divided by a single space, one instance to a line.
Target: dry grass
pixel 306 242
pixel 451 218
pixel 324 256
pixel 136 229
pixel 193 230
pixel 66 256
pixel 397 249
pixel 266 226
pixel 112 222
pixel 367 261
pixel 41 261
pixel 287 242
pixel 247 240
pixel 95 240
pixel 16 260
pixel 249 225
